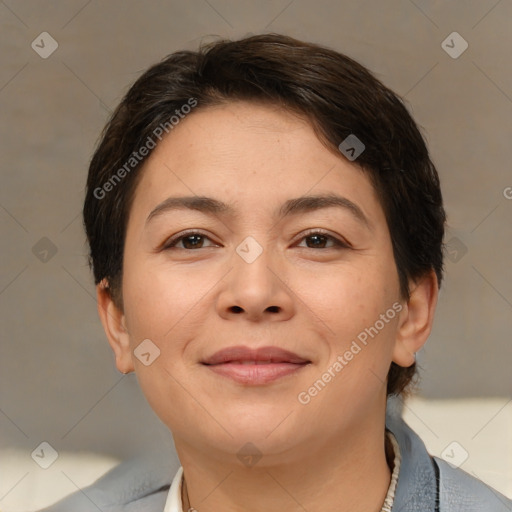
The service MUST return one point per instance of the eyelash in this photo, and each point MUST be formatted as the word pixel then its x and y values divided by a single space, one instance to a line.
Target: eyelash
pixel 338 244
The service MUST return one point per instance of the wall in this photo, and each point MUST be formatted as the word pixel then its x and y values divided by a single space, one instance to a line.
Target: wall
pixel 57 378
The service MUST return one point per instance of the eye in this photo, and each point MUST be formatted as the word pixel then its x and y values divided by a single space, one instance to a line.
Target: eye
pixel 189 240
pixel 321 240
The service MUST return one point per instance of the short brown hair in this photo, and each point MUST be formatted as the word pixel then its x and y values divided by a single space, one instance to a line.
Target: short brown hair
pixel 337 95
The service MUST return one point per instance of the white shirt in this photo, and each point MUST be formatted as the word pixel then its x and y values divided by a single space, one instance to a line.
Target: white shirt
pixel 174 504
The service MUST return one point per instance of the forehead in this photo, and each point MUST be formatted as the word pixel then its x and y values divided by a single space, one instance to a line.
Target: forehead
pixel 246 133
pixel 251 155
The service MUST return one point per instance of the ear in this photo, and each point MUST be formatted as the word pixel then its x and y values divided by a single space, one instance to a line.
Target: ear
pixel 416 319
pixel 114 324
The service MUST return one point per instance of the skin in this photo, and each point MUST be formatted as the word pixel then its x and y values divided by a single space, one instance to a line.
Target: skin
pixel 303 294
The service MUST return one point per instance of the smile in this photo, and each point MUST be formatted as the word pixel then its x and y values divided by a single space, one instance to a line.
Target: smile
pixel 255 373
pixel 255 366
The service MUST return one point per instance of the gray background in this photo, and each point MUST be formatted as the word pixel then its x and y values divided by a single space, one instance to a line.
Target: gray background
pixel 57 378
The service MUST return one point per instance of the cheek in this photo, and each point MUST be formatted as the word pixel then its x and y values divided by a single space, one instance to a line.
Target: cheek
pixel 350 303
pixel 161 299
pixel 163 304
pixel 347 299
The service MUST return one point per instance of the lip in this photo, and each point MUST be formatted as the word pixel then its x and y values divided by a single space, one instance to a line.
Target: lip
pixel 241 353
pixel 255 366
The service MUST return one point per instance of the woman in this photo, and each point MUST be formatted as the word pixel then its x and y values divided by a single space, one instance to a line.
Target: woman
pixel 266 230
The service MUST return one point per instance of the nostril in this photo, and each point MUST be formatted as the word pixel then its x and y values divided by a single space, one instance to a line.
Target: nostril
pixel 236 309
pixel 273 309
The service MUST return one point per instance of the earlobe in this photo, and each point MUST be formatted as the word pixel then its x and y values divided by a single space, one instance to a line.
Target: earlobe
pixel 416 319
pixel 114 324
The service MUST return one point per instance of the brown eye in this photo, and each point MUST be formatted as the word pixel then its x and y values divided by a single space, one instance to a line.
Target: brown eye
pixel 320 240
pixel 317 241
pixel 190 241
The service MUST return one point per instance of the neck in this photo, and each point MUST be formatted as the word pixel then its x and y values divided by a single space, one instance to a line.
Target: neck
pixel 349 474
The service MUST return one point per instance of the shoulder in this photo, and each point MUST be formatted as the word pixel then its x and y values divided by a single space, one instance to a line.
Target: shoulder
pixel 82 502
pixel 136 485
pixel 459 491
pixel 425 480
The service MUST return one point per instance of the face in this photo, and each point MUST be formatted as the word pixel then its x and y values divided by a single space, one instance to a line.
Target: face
pixel 258 265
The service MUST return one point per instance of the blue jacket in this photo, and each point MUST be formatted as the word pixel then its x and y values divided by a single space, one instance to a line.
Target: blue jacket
pixel 425 483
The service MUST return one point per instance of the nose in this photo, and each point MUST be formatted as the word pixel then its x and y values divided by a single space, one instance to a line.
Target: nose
pixel 256 289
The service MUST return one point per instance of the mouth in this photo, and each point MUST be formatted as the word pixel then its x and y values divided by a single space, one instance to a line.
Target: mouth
pixel 255 366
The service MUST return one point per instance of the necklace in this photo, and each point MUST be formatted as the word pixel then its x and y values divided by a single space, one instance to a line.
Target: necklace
pixel 184 497
pixel 388 502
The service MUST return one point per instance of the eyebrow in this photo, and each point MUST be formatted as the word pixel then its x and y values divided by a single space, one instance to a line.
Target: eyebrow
pixel 295 206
